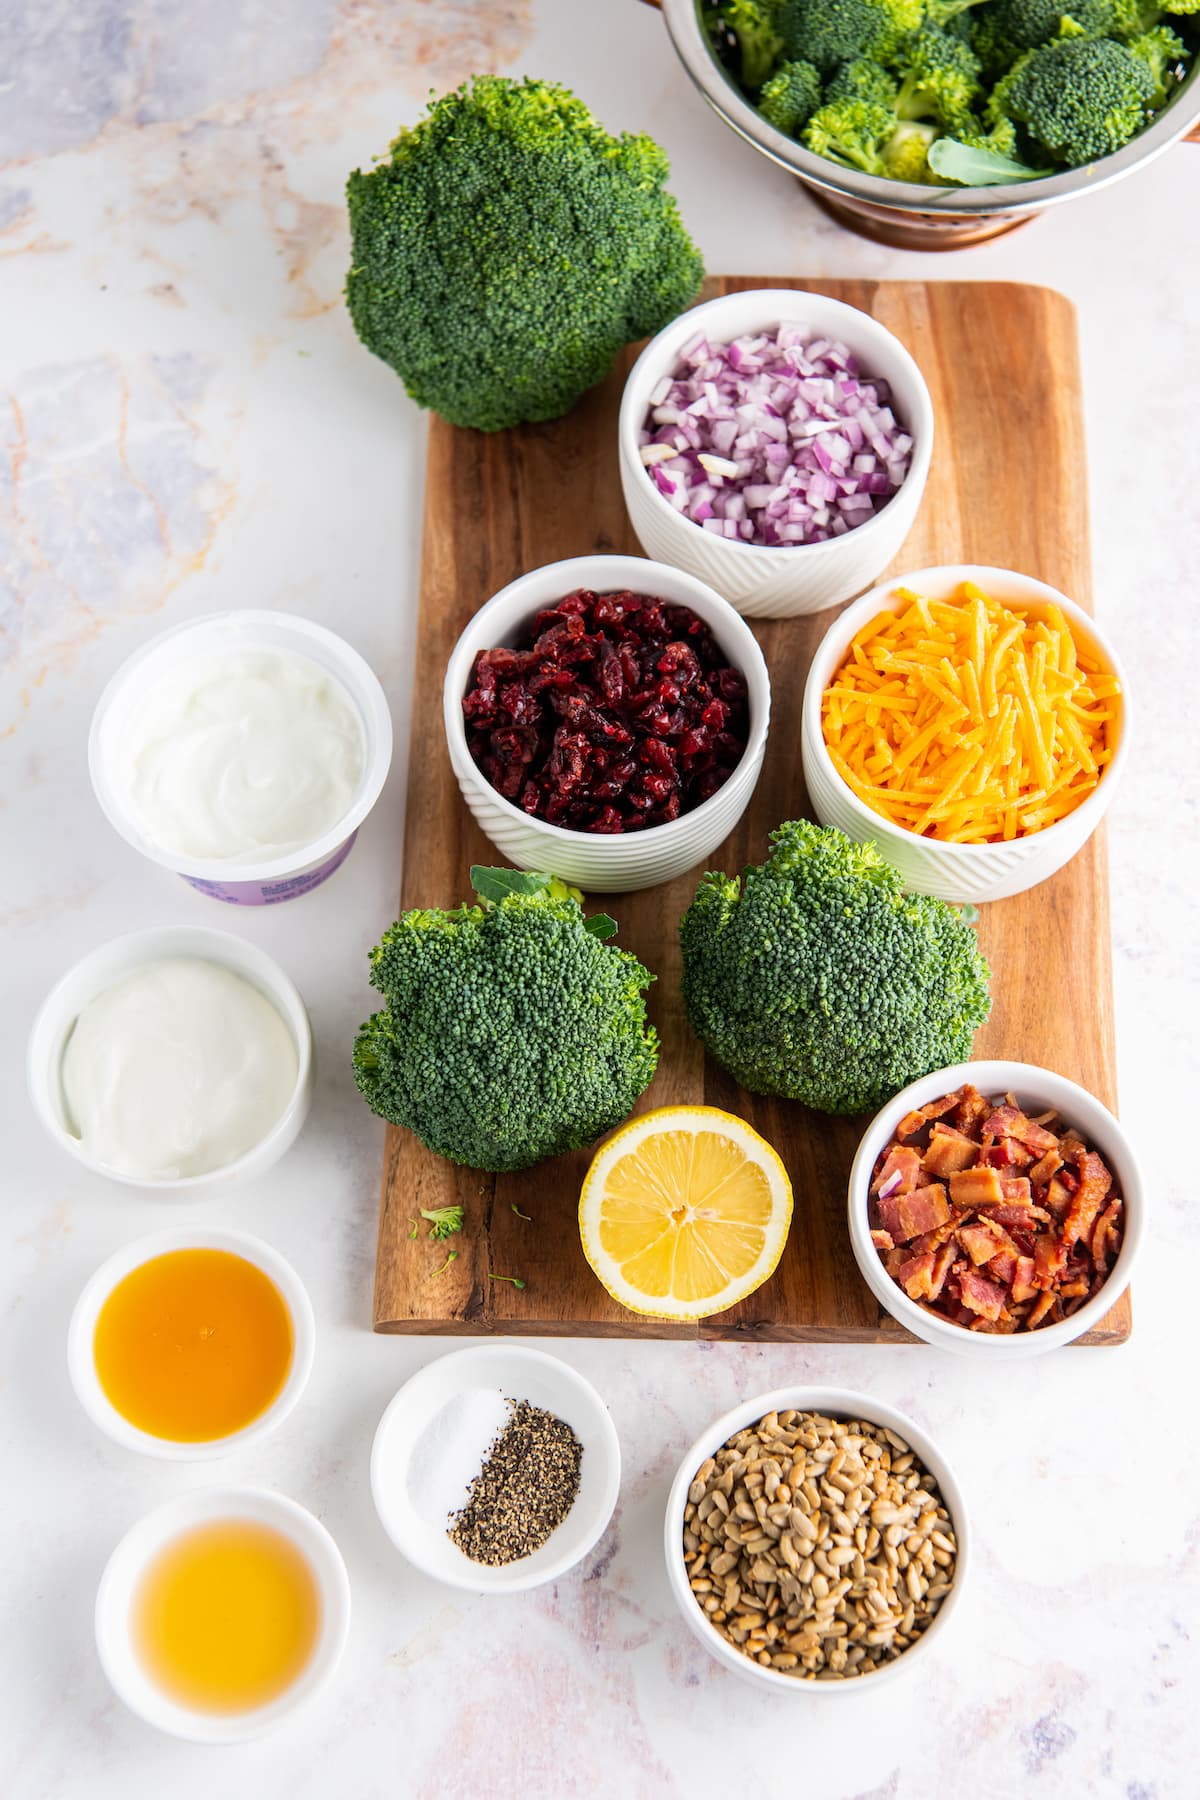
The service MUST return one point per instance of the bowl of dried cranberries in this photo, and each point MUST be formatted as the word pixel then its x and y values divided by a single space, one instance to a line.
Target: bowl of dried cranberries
pixel 606 719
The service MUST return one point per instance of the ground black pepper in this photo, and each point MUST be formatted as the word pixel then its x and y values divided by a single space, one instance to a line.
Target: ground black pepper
pixel 525 1489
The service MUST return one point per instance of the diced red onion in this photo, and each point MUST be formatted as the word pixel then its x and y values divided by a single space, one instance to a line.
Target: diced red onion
pixel 774 439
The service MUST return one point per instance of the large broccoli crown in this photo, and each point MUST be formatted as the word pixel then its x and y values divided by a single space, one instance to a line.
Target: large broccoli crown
pixel 817 977
pixel 509 248
pixel 1078 98
pixel 512 1032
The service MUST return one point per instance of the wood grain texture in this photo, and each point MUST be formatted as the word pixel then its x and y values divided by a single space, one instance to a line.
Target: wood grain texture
pixel 1008 486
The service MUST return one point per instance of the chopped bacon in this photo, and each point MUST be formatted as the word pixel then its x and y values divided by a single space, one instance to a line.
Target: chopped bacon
pixel 981 1295
pixel 976 1187
pixel 1028 1231
pixel 948 1151
pixel 899 1171
pixel 978 1243
pixel 1045 1167
pixel 1094 1183
pixel 1010 1122
pixel 1023 1286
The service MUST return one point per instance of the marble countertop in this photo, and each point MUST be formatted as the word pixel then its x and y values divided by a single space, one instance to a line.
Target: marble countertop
pixel 189 424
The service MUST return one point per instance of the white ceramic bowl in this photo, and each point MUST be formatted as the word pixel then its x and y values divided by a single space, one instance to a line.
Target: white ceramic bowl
pixel 118 1587
pixel 242 883
pixel 109 963
pixel 769 581
pixel 637 859
pixel 1037 1090
pixel 838 1403
pixel 81 1357
pixel 956 872
pixel 413 1521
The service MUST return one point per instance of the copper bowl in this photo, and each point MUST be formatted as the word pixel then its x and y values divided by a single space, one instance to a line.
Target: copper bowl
pixel 904 213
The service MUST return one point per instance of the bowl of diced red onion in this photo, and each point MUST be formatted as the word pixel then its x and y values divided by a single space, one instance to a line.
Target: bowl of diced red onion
pixel 996 1209
pixel 776 444
pixel 606 719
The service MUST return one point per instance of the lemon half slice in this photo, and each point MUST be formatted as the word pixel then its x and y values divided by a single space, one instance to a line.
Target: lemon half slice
pixel 684 1212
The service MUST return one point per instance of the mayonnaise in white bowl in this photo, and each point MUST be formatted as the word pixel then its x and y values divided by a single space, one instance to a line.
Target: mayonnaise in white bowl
pixel 243 751
pixel 179 1068
pixel 129 1074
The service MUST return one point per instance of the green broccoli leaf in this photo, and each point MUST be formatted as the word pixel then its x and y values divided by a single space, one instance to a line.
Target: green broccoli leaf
pixel 495 884
pixel 977 168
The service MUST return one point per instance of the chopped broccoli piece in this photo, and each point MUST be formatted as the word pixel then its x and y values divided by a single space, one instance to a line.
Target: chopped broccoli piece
pixel 1005 29
pixel 1077 98
pixel 906 153
pixel 1163 51
pixel 509 248
pixel 940 76
pixel 511 1031
pixel 444 1221
pixel 853 132
pixel 829 32
pixel 754 23
pixel 861 79
pixel 790 97
pixel 817 977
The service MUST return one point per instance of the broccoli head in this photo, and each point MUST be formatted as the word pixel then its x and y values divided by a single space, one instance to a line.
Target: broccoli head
pixel 790 97
pixel 754 25
pixel 1077 98
pixel 1164 52
pixel 939 76
pixel 817 977
pixel 1005 29
pixel 862 79
pixel 829 32
pixel 853 132
pixel 512 1031
pixel 507 250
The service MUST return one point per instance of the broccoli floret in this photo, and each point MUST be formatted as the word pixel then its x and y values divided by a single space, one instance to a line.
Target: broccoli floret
pixel 754 23
pixel 906 153
pixel 508 248
pixel 817 977
pixel 861 79
pixel 853 132
pixel 790 97
pixel 939 76
pixel 1005 29
pixel 1077 98
pixel 511 1031
pixel 829 32
pixel 1163 51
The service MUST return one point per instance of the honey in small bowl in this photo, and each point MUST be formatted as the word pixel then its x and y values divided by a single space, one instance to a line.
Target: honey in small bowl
pixel 193 1345
pixel 226 1616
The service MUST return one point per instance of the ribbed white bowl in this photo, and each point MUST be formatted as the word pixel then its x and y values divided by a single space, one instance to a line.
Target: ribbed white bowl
pixel 1037 1090
pixel 768 581
pixel 956 872
pixel 640 859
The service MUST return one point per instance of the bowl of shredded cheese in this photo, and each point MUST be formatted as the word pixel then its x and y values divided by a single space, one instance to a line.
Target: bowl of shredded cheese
pixel 972 721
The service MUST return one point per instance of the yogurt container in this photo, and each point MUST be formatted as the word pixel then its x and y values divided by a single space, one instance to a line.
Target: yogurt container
pixel 142 689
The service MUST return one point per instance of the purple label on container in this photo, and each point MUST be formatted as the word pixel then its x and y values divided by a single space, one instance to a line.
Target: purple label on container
pixel 269 893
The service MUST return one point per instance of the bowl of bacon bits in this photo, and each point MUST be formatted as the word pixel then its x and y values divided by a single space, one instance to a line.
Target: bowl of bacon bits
pixel 606 719
pixel 972 721
pixel 996 1209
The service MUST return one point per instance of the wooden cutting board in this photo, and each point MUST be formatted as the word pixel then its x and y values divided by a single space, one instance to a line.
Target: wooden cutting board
pixel 1008 487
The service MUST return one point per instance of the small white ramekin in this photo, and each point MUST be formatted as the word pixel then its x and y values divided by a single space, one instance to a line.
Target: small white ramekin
pixel 243 883
pixel 766 581
pixel 839 1403
pixel 1037 1090
pixel 115 1598
pixel 108 964
pixel 955 872
pixel 518 1374
pixel 605 864
pixel 81 1341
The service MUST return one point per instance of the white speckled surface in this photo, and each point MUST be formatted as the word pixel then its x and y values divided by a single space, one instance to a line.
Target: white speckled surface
pixel 189 424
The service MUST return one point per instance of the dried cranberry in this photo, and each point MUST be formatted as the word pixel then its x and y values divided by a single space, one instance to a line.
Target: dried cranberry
pixel 619 713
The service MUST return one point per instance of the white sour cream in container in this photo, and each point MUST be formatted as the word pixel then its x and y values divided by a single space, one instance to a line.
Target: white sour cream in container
pixel 243 751
pixel 173 1059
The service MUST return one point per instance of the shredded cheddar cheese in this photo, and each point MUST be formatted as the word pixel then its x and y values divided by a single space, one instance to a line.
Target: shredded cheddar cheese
pixel 968 720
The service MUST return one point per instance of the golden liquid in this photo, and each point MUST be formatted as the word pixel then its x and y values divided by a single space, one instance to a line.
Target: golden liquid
pixel 227 1616
pixel 193 1345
